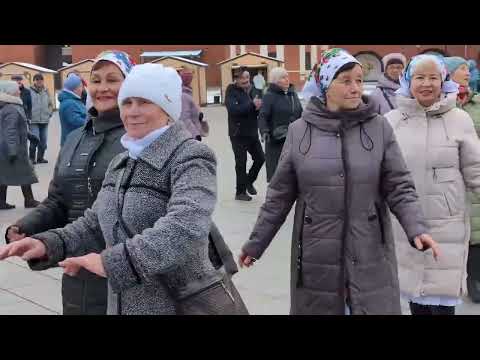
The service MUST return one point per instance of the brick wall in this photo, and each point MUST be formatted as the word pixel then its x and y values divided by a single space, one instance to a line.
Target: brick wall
pixel 212 54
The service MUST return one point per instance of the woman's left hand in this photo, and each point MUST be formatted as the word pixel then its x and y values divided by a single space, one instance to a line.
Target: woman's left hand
pixel 92 262
pixel 424 242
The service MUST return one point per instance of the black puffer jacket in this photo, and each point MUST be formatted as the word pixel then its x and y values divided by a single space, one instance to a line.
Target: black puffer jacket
pixel 77 179
pixel 242 116
pixel 279 108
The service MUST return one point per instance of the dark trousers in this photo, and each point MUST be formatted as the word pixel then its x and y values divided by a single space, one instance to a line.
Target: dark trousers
pixel 242 145
pixel 26 190
pixel 418 309
pixel 40 131
pixel 273 150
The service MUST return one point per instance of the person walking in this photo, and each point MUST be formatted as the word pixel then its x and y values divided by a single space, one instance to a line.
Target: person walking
pixel 280 107
pixel 342 166
pixel 191 115
pixel 469 100
pixel 16 169
pixel 384 95
pixel 42 109
pixel 72 112
pixel 242 107
pixel 25 95
pixel 442 150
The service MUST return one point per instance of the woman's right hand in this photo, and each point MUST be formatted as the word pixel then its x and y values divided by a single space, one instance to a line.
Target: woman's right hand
pixel 27 248
pixel 245 260
pixel 13 234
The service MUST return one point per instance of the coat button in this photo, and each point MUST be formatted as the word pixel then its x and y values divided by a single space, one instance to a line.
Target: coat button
pixel 354 261
pixel 338 134
pixel 342 175
pixel 308 219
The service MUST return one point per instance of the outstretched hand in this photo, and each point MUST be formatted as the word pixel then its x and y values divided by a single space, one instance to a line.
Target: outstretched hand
pixel 27 248
pixel 424 242
pixel 245 260
pixel 91 262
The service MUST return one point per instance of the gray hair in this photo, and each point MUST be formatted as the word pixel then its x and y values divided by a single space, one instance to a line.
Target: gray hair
pixel 8 87
pixel 427 59
pixel 276 74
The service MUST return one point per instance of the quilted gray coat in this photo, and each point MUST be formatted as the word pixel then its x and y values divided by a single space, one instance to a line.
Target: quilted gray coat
pixel 342 169
pixel 168 203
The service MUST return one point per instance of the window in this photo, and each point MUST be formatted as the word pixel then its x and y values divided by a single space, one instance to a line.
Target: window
pixel 272 54
pixel 308 60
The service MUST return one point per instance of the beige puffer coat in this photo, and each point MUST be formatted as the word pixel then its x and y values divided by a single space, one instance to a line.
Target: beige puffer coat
pixel 442 151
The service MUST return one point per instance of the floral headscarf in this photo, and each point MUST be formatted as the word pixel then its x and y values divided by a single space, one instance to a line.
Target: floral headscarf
pixel 448 86
pixel 325 70
pixel 119 58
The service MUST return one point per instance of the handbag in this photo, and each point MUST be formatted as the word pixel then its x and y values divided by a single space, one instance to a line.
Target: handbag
pixel 204 127
pixel 211 295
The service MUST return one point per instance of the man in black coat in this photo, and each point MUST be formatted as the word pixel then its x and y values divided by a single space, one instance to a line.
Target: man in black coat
pixel 243 104
pixel 25 95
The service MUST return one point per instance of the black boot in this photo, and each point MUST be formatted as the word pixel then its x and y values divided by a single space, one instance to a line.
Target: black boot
pixel 243 197
pixel 31 155
pixel 30 202
pixel 251 190
pixel 40 158
pixel 473 271
pixel 3 199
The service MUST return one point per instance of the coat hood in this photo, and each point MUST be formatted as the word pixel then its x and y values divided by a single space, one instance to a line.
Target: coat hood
pixel 386 83
pixel 66 95
pixel 317 114
pixel 411 106
pixel 9 99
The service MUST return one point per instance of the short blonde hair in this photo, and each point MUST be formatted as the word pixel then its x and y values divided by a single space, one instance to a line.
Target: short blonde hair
pixel 276 74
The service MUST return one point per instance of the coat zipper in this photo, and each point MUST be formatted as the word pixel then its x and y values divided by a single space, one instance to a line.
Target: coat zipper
pixel 380 221
pixel 345 215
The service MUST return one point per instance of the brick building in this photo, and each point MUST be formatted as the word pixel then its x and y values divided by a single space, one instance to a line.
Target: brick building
pixel 298 58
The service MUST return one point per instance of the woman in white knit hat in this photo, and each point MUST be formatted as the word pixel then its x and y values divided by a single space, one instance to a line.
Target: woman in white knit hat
pixel 153 212
pixel 383 96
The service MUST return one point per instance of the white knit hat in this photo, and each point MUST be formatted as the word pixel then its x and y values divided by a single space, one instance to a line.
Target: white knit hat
pixel 154 82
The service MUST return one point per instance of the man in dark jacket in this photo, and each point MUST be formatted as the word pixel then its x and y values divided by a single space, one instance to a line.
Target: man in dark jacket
pixel 25 95
pixel 243 104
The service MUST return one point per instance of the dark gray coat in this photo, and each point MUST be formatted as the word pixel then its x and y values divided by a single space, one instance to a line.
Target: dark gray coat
pixel 15 166
pixel 341 169
pixel 168 198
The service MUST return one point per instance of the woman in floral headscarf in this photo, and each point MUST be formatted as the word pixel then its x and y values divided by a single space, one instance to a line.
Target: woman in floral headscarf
pixel 442 151
pixel 78 176
pixel 342 167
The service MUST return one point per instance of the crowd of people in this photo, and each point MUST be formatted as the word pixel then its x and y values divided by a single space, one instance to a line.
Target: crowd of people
pixel 386 187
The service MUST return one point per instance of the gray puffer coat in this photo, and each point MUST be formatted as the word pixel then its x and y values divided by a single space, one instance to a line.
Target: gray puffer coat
pixel 15 166
pixel 168 197
pixel 342 169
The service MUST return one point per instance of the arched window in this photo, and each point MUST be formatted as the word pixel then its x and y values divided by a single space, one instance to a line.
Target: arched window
pixel 372 65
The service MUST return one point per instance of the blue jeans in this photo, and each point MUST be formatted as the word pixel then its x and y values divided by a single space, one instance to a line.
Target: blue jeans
pixel 40 131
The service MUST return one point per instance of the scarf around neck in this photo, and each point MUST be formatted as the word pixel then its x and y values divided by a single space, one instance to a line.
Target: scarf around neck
pixel 136 146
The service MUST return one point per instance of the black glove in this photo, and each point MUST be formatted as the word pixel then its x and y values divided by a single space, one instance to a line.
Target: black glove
pixel 200 117
pixel 12 158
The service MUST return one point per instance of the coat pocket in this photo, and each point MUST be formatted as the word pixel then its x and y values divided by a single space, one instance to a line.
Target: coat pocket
pixel 443 175
pixel 448 181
